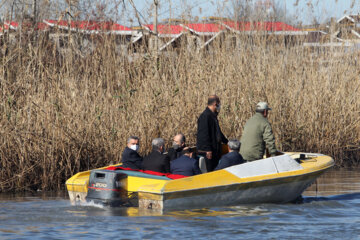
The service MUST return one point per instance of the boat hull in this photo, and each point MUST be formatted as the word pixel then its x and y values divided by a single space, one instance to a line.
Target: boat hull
pixel 279 179
pixel 280 190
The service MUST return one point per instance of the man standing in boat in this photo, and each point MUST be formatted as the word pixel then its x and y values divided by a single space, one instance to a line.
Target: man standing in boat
pixel 209 136
pixel 258 135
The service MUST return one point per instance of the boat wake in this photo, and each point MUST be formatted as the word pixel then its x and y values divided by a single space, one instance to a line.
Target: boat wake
pixel 91 204
pixel 349 196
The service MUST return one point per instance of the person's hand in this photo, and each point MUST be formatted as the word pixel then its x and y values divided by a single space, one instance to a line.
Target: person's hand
pixel 209 155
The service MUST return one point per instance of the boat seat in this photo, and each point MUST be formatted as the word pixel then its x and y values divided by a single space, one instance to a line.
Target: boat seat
pixel 202 164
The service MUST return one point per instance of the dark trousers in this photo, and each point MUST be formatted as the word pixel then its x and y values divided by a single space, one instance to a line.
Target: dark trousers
pixel 211 164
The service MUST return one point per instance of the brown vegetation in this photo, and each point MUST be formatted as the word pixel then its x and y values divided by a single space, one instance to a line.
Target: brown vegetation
pixel 64 114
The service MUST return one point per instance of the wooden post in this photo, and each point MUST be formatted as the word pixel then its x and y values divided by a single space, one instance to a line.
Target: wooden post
pixel 34 11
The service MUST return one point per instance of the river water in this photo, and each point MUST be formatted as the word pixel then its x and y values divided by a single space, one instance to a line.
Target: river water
pixel 330 210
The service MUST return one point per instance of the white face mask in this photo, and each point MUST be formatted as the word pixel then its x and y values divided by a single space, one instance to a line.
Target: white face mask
pixel 134 147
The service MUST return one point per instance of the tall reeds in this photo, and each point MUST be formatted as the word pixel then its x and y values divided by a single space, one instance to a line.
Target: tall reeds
pixel 62 113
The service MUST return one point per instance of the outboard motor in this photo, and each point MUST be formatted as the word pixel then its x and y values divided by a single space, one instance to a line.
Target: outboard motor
pixel 107 187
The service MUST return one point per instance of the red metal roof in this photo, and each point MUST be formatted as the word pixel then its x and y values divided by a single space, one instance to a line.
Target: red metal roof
pixel 197 27
pixel 89 25
pixel 216 27
pixel 42 26
pixel 13 25
pixel 83 25
pixel 261 26
pixel 167 29
pixel 205 27
pixel 162 28
pixel 118 27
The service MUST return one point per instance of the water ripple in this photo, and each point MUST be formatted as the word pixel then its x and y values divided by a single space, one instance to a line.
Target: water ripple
pixel 320 215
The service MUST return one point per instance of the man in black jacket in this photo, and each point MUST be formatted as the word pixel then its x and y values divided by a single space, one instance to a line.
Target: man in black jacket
pixel 233 157
pixel 178 146
pixel 209 135
pixel 130 156
pixel 157 161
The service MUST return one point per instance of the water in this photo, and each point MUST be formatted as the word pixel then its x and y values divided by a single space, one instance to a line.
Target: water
pixel 331 210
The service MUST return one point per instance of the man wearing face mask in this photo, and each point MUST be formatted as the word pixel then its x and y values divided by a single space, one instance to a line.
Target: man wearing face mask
pixel 209 135
pixel 157 161
pixel 130 156
pixel 178 145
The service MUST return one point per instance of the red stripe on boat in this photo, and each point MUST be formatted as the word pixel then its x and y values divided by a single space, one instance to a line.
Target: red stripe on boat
pixel 168 175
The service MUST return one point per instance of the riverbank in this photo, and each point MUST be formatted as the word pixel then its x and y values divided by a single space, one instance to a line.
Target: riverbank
pixel 61 115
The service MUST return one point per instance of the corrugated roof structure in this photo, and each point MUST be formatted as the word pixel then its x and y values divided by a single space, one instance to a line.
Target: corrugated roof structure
pixel 166 29
pixel 204 28
pixel 163 29
pixel 213 28
pixel 351 18
pixel 11 25
pixel 89 26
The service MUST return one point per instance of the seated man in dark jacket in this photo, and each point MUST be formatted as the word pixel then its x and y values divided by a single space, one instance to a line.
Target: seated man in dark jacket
pixel 130 156
pixel 157 161
pixel 231 158
pixel 178 145
pixel 185 165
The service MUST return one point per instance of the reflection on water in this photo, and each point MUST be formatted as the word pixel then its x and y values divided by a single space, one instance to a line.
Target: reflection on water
pixel 336 182
pixel 330 210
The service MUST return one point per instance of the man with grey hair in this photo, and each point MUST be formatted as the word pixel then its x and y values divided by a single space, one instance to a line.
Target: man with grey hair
pixel 258 135
pixel 157 161
pixel 231 158
pixel 130 157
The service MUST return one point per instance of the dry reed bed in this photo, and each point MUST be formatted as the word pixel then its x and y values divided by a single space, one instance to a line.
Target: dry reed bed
pixel 61 115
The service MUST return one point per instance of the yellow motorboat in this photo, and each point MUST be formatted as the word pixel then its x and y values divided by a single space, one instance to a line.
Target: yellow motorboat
pixel 279 179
